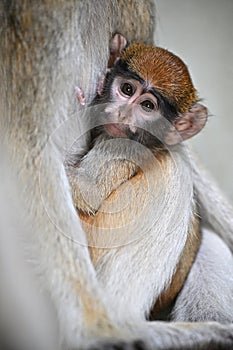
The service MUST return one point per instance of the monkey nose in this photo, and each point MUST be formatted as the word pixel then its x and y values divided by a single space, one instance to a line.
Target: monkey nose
pixel 132 128
pixel 122 117
pixel 127 120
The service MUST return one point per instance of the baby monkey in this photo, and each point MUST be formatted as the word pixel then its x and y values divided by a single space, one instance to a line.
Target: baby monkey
pixel 148 97
pixel 135 196
pixel 145 84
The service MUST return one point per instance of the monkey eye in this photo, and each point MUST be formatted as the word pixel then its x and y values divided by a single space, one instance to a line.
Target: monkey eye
pixel 147 105
pixel 127 89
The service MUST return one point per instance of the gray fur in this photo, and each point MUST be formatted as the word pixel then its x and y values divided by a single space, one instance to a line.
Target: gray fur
pixel 208 291
pixel 46 49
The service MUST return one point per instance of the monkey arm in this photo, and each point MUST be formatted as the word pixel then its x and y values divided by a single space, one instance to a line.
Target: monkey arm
pixel 96 178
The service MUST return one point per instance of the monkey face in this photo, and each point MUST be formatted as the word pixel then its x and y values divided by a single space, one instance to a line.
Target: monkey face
pixel 132 108
pixel 132 111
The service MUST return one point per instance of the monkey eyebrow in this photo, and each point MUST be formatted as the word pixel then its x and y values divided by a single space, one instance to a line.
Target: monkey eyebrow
pixel 157 95
pixel 152 91
pixel 148 88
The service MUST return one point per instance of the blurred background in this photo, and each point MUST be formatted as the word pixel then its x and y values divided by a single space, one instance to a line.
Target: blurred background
pixel 201 33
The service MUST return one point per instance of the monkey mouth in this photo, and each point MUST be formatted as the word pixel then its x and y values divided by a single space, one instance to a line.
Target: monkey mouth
pixel 116 130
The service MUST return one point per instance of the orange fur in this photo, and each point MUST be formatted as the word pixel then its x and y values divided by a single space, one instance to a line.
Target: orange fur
pixel 164 71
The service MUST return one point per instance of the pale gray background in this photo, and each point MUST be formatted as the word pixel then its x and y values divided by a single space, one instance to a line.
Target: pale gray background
pixel 201 33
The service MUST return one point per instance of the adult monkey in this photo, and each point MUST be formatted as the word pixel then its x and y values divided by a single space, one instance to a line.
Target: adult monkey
pixel 46 49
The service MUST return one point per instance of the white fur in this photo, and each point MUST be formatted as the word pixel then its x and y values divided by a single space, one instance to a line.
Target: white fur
pixel 152 256
pixel 36 90
pixel 208 290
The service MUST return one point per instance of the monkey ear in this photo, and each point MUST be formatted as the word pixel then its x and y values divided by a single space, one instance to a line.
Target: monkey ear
pixel 118 43
pixel 187 124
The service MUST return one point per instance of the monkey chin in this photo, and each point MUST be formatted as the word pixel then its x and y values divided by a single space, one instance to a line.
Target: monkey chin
pixel 115 130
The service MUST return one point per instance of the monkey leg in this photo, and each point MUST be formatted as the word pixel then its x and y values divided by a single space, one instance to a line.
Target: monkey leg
pixel 89 193
pixel 208 291
pixel 93 181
